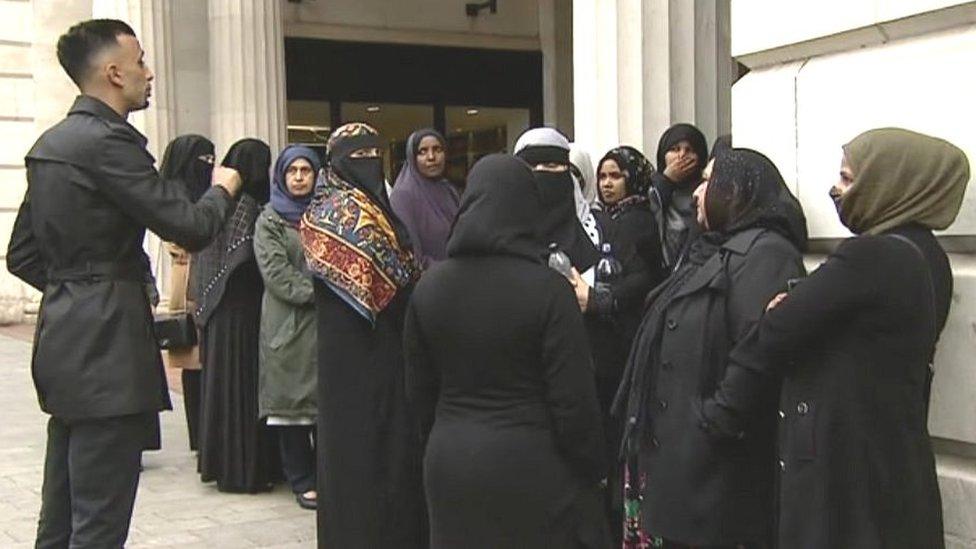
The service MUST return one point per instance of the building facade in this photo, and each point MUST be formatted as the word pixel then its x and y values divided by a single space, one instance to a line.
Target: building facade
pixel 794 79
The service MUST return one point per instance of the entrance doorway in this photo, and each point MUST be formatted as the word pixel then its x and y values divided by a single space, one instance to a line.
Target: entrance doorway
pixel 481 100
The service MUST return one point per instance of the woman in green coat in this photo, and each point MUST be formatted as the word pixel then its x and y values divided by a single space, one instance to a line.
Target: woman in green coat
pixel 287 382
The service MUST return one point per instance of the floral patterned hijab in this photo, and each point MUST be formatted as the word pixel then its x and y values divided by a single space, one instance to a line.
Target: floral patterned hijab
pixel 353 242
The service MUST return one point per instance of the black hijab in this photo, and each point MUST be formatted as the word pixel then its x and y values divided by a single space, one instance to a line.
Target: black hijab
pixel 684 132
pixel 558 221
pixel 746 191
pixel 234 245
pixel 182 161
pixel 637 172
pixel 499 212
pixel 722 145
pixel 252 159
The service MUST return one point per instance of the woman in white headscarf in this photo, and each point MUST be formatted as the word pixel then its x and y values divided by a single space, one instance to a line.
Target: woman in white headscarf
pixel 585 193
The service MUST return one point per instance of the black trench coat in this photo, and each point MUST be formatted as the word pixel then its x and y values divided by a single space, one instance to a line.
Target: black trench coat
pixel 853 342
pixel 92 192
pixel 699 491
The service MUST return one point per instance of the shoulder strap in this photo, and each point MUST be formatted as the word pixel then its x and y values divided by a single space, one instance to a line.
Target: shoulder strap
pixel 921 255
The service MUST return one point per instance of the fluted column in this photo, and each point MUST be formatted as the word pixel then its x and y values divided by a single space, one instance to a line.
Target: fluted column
pixel 247 64
pixel 152 22
pixel 642 65
pixel 687 66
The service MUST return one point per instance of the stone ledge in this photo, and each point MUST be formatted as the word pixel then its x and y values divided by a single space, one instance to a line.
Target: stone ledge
pixel 957 482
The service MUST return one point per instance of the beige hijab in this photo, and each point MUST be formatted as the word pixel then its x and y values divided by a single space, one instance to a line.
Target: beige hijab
pixel 903 177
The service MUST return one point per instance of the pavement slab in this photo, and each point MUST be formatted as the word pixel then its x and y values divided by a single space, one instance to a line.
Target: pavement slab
pixel 173 508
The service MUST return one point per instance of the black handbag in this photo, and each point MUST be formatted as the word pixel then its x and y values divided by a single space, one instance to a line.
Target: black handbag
pixel 175 330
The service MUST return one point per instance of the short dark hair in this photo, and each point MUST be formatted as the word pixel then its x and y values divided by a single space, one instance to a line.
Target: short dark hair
pixel 82 42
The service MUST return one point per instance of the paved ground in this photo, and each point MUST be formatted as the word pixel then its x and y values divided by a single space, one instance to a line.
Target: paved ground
pixel 173 509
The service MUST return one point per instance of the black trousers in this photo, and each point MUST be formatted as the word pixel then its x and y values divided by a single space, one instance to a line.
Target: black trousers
pixel 191 404
pixel 297 444
pixel 91 471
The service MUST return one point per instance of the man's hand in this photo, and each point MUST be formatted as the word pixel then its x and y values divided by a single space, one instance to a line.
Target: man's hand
pixel 679 170
pixel 228 178
pixel 581 288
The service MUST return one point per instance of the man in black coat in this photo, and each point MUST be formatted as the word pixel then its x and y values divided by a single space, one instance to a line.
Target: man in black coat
pixel 92 192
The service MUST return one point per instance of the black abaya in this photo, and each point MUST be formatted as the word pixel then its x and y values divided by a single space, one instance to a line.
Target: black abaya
pixel 370 492
pixel 235 450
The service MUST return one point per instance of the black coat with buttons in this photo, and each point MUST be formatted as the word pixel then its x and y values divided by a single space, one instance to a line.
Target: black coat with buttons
pixel 852 344
pixel 700 491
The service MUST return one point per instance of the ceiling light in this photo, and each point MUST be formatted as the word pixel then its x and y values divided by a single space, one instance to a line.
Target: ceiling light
pixel 308 128
pixel 471 112
pixel 373 108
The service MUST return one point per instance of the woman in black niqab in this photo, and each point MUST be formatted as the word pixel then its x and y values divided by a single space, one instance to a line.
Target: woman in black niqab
pixel 189 160
pixel 235 447
pixel 363 272
pixel 500 217
pixel 559 222
pixel 501 378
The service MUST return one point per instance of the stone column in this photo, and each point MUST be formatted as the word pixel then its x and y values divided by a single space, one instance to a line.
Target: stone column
pixel 53 90
pixel 642 65
pixel 687 66
pixel 152 22
pixel 556 39
pixel 595 101
pixel 247 68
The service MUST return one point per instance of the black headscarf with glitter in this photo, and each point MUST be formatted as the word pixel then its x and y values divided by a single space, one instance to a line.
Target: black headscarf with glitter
pixel 745 191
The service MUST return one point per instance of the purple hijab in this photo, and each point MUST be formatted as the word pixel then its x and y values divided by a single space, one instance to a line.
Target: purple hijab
pixel 426 206
pixel 290 207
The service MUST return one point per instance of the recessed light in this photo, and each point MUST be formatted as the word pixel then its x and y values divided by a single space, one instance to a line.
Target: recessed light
pixel 373 108
pixel 471 112
pixel 458 130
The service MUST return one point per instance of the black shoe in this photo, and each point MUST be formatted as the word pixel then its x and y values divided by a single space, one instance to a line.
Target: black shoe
pixel 306 503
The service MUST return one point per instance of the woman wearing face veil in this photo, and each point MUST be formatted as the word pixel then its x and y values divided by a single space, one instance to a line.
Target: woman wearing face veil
pixel 683 487
pixel 682 153
pixel 188 158
pixel 546 151
pixel 501 380
pixel 423 199
pixel 359 253
pixel 234 447
pixel 853 343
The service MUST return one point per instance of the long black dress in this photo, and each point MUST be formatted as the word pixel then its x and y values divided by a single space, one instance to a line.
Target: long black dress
pixel 359 252
pixel 503 383
pixel 369 458
pixel 234 447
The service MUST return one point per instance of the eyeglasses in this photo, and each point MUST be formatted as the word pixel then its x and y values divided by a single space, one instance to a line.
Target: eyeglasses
pixel 208 158
pixel 301 170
